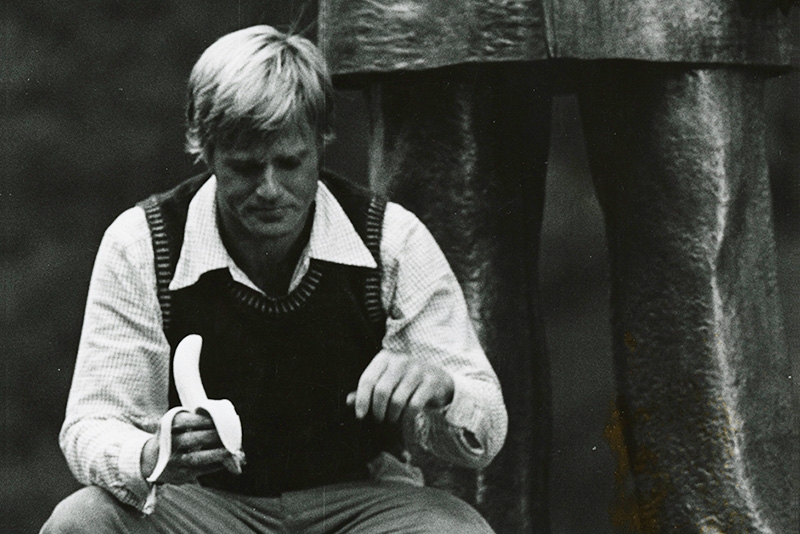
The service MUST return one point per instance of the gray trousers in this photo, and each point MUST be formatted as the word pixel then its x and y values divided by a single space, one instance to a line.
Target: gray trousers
pixel 358 507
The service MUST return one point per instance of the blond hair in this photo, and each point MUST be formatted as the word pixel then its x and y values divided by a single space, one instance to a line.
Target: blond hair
pixel 251 84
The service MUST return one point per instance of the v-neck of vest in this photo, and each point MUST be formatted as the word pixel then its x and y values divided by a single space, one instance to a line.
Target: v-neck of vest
pixel 270 305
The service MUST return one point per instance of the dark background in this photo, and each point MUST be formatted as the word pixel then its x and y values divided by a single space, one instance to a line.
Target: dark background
pixel 92 121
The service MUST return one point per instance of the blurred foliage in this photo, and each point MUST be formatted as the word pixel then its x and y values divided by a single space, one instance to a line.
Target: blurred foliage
pixel 91 122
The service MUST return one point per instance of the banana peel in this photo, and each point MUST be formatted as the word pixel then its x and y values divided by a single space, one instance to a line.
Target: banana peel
pixel 186 371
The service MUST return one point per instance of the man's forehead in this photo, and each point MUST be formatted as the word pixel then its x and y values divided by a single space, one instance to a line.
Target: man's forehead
pixel 285 143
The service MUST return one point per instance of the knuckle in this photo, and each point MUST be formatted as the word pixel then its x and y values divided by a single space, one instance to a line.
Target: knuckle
pixel 417 403
pixel 366 381
pixel 398 406
pixel 189 459
pixel 381 392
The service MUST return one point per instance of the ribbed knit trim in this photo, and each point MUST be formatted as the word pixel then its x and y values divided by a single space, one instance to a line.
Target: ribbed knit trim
pixel 374 230
pixel 161 253
pixel 273 306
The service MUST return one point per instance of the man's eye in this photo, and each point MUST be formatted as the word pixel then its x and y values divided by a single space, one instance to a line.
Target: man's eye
pixel 246 168
pixel 289 163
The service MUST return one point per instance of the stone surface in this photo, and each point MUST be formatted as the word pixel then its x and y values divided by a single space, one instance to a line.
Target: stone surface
pixel 704 377
pixel 471 165
pixel 371 36
pixel 705 423
pixel 705 428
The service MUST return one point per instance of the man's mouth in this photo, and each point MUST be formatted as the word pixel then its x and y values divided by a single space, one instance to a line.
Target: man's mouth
pixel 270 214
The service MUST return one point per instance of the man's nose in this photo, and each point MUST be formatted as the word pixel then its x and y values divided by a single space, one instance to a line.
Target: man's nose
pixel 268 186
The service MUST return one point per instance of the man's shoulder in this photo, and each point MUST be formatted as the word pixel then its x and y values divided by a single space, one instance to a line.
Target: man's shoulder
pixel 398 224
pixel 345 188
pixel 131 232
pixel 128 236
pixel 396 213
pixel 185 189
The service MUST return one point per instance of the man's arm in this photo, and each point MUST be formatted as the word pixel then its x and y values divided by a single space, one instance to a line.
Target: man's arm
pixel 119 389
pixel 431 355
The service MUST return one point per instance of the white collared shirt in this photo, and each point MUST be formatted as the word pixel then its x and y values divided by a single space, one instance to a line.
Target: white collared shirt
pixel 119 389
pixel 332 239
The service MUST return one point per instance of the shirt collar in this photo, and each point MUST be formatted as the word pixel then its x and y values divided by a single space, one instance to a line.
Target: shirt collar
pixel 333 239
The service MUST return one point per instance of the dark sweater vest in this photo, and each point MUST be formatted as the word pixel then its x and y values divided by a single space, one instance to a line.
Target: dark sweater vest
pixel 286 363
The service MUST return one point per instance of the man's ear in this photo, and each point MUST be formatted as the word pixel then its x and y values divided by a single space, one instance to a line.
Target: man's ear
pixel 207 157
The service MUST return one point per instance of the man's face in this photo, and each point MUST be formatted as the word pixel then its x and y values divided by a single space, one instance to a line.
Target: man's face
pixel 264 192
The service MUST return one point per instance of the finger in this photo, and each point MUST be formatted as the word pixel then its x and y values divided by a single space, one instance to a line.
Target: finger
pixel 233 465
pixel 422 396
pixel 200 462
pixel 402 396
pixel 186 421
pixel 351 399
pixel 189 475
pixel 196 440
pixel 437 390
pixel 367 383
pixel 385 387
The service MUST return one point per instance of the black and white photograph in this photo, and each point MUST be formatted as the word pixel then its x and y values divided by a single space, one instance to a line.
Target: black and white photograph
pixel 415 266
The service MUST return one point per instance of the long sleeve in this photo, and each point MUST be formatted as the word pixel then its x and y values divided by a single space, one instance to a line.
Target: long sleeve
pixel 428 318
pixel 119 389
pixel 121 381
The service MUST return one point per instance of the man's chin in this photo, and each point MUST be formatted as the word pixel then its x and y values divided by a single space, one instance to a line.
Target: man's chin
pixel 278 228
pixel 272 230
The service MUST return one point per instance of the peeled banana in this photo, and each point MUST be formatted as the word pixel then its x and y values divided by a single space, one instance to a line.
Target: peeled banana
pixel 186 371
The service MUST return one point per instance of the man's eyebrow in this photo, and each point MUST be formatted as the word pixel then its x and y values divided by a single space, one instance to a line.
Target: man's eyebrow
pixel 241 158
pixel 299 153
pixel 246 156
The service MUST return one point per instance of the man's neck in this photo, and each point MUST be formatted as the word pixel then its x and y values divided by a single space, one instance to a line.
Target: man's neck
pixel 270 265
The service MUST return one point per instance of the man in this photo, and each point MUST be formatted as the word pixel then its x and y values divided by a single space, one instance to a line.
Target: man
pixel 329 318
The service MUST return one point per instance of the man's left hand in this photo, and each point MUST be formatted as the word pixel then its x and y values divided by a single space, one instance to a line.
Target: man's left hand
pixel 394 384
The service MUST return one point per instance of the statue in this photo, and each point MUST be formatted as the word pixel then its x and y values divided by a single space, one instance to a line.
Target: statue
pixel 671 96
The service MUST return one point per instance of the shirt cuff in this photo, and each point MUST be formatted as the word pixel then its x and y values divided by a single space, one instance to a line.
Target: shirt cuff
pixel 130 471
pixel 467 418
pixel 455 432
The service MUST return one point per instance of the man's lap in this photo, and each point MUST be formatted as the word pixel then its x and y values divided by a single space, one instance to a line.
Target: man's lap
pixel 363 507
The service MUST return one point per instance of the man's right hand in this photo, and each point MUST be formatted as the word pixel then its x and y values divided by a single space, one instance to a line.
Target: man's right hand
pixel 196 450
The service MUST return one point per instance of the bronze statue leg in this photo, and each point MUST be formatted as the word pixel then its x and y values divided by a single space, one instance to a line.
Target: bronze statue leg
pixel 466 149
pixel 704 379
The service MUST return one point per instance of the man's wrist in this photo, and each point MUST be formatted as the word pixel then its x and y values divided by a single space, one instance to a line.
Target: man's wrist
pixel 129 468
pixel 148 457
